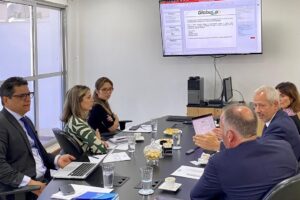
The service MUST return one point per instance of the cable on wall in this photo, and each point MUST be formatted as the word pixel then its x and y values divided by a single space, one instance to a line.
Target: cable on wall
pixel 215 57
pixel 243 100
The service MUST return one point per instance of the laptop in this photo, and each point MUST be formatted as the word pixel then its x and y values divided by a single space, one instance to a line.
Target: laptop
pixel 203 124
pixel 79 170
pixel 173 118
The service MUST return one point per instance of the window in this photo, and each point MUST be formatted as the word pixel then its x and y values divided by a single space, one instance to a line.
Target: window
pixel 32 46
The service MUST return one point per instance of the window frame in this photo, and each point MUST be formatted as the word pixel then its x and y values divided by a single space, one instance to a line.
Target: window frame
pixel 34 56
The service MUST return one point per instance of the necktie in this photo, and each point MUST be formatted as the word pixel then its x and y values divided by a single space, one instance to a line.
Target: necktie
pixel 33 136
pixel 264 129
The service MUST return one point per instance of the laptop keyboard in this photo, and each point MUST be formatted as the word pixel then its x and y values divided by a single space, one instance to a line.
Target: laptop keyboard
pixel 82 169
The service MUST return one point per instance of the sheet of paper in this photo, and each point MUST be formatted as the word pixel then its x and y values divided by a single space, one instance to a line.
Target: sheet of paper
pixel 189 172
pixel 144 128
pixel 79 190
pixel 203 125
pixel 122 146
pixel 96 158
pixel 115 157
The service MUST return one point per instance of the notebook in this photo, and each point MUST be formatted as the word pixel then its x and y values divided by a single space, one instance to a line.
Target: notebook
pixel 79 170
pixel 203 124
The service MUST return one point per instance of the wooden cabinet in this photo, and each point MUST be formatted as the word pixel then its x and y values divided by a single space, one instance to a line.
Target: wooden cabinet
pixel 197 111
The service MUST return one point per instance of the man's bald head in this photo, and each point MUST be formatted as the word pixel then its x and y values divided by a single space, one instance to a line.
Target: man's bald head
pixel 241 119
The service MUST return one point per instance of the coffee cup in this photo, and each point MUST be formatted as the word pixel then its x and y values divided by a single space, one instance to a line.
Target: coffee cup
pixel 169 182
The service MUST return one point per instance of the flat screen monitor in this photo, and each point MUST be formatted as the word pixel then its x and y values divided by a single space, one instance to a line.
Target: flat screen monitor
pixel 210 27
pixel 227 89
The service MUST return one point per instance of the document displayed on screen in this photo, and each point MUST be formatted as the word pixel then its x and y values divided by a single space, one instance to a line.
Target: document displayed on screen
pixel 203 124
pixel 205 27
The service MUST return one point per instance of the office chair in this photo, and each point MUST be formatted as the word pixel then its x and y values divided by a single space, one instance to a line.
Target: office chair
pixel 18 193
pixel 286 189
pixel 69 145
pixel 296 119
pixel 123 123
pixel 107 135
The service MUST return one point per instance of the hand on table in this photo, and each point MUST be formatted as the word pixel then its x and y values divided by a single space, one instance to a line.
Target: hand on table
pixel 41 184
pixel 64 160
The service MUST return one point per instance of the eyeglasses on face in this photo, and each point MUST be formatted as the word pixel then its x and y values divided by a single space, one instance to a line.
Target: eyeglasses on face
pixel 107 89
pixel 24 96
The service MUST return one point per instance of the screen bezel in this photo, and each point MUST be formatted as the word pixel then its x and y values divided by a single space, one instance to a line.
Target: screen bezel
pixel 208 54
pixel 226 89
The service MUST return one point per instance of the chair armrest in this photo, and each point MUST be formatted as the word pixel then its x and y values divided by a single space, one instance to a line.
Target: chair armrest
pixel 24 189
pixel 123 123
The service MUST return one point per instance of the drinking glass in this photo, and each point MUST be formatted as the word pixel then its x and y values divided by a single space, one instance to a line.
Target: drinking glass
pixel 176 140
pixel 154 125
pixel 131 143
pixel 108 175
pixel 146 173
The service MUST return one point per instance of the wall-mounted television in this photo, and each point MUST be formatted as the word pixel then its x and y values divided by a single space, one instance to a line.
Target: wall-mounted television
pixel 210 27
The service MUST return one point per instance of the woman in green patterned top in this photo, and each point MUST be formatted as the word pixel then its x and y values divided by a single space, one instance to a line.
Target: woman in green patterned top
pixel 78 103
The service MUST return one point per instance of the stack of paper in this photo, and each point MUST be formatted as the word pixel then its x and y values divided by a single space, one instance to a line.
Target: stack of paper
pixel 189 172
pixel 97 195
pixel 115 157
pixel 79 190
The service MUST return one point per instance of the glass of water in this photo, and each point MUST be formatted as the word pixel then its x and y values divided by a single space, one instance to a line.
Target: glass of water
pixel 146 173
pixel 154 125
pixel 131 143
pixel 108 175
pixel 176 140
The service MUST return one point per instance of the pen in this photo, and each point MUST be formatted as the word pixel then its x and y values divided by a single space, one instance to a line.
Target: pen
pixel 95 157
pixel 123 138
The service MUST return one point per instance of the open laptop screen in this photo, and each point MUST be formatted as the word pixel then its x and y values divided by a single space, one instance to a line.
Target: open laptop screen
pixel 203 124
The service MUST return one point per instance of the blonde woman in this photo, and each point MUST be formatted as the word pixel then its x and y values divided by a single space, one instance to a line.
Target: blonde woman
pixel 78 103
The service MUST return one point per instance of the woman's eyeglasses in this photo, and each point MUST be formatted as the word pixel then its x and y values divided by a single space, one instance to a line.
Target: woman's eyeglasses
pixel 107 89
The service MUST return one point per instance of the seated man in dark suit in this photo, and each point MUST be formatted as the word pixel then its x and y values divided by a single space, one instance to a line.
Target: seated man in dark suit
pixel 23 160
pixel 278 125
pixel 247 168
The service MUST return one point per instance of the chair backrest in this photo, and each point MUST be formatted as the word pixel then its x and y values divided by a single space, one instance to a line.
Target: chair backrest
pixel 296 119
pixel 287 189
pixel 69 145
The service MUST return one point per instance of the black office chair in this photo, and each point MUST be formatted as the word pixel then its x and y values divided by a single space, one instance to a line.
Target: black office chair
pixel 286 189
pixel 123 124
pixel 296 119
pixel 107 135
pixel 17 193
pixel 69 145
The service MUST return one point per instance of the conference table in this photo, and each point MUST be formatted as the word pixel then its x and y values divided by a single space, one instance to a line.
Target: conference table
pixel 131 168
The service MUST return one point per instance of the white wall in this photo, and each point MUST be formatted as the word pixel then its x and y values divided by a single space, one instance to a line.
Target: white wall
pixel 121 39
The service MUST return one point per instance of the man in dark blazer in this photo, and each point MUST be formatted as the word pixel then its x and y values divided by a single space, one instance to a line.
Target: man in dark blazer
pixel 278 125
pixel 23 160
pixel 247 168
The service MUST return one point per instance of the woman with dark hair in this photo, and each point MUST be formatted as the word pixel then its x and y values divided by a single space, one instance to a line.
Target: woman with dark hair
pixel 77 105
pixel 290 101
pixel 101 116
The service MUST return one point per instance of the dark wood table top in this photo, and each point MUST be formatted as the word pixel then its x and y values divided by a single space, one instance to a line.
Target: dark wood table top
pixel 131 169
